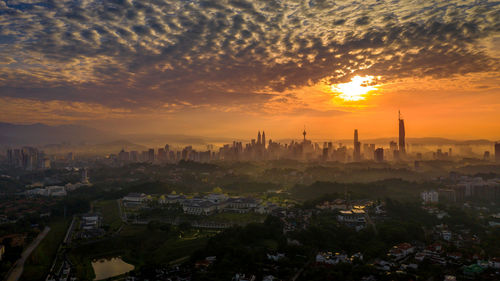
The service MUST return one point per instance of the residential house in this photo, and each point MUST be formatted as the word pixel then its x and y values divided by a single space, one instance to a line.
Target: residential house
pixel 331 258
pixel 401 251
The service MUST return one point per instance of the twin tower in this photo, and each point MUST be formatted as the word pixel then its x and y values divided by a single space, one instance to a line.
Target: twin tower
pixel 261 139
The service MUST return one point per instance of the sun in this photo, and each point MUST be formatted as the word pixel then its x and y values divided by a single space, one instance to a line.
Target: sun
pixel 355 90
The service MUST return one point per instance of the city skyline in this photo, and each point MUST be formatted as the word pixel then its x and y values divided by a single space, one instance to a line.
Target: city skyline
pixel 257 149
pixel 227 68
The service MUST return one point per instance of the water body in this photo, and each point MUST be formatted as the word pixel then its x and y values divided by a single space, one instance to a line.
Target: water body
pixel 106 268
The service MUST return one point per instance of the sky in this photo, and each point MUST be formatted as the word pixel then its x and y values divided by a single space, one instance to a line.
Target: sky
pixel 231 67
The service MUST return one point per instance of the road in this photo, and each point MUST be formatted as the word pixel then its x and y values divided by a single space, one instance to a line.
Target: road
pixel 15 273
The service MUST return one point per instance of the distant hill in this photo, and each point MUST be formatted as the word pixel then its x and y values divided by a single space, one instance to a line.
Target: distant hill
pixel 78 137
pixel 424 141
pixel 176 140
pixel 41 134
pixel 99 148
pixel 116 146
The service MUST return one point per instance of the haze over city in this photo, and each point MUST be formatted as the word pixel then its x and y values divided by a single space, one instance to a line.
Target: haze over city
pixel 229 68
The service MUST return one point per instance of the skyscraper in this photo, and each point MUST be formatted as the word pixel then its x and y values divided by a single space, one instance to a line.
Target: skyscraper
pixel 379 154
pixel 151 155
pixel 402 145
pixel 259 139
pixel 84 176
pixel 263 143
pixel 497 152
pixel 357 147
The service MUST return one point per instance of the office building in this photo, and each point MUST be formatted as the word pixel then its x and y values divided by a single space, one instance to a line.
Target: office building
pixel 357 148
pixel 497 152
pixel 402 144
pixel 379 154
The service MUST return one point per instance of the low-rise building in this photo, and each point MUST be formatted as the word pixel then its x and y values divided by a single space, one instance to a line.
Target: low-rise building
pixel 198 207
pixel 446 235
pixel 494 263
pixel 430 197
pixel 172 199
pixel 354 218
pixel 90 221
pixel 331 258
pixel 241 205
pixel 401 251
pixel 135 197
pixel 337 204
pixel 54 190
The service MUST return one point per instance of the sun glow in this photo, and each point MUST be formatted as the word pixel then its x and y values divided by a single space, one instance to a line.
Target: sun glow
pixel 355 90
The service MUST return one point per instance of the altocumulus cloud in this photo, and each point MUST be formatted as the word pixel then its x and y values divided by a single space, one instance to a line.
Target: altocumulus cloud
pixel 139 54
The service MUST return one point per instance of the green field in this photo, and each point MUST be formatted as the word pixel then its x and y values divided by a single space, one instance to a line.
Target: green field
pixel 37 266
pixel 111 215
pixel 138 245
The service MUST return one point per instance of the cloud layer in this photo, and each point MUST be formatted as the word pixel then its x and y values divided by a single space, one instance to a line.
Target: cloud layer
pixel 167 54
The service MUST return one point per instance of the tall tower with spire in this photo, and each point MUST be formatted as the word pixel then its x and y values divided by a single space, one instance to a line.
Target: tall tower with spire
pixel 259 140
pixel 402 144
pixel 263 139
pixel 304 133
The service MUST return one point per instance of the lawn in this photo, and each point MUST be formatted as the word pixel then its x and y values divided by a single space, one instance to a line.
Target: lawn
pixel 138 245
pixel 236 218
pixel 37 266
pixel 111 215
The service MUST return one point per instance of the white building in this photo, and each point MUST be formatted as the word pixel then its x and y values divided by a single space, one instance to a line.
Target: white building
pixel 135 197
pixel 241 205
pixel 199 207
pixel 430 197
pixel 216 197
pixel 54 190
pixel 90 221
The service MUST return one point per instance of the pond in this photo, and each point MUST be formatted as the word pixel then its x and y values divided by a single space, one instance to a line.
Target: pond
pixel 110 267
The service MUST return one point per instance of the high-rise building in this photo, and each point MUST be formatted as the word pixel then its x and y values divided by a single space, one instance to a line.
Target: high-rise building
pixel 84 176
pixel 123 156
pixel 357 147
pixel 151 155
pixel 134 156
pixel 263 139
pixel 162 154
pixel 368 150
pixel 486 156
pixel 497 152
pixel 393 146
pixel 259 139
pixel 379 154
pixel 402 145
